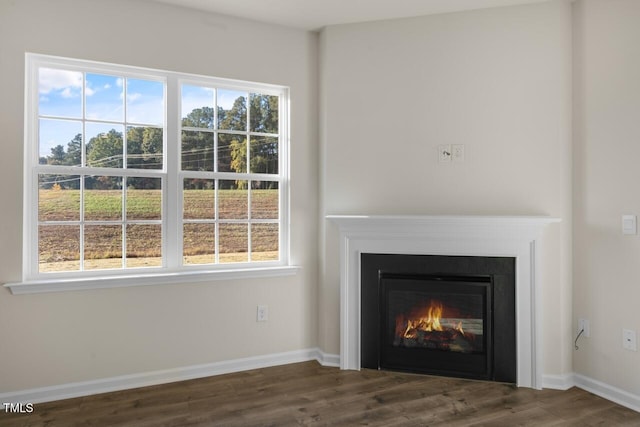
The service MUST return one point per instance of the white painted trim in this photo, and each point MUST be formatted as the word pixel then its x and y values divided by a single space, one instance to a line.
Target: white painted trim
pixel 506 236
pixel 326 359
pixel 606 391
pixel 39 286
pixel 172 266
pixel 609 392
pixel 558 382
pixel 124 382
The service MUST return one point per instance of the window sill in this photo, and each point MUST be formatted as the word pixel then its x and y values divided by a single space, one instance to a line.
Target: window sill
pixel 84 283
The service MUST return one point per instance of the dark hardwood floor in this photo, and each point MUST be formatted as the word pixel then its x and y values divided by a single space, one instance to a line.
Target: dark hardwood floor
pixel 309 394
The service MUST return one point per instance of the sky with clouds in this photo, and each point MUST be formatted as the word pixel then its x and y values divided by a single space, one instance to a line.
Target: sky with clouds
pixel 60 104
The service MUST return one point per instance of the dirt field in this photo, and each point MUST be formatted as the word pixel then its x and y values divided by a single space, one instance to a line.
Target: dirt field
pixel 59 243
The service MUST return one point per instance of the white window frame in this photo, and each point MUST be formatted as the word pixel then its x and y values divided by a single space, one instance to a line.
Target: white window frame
pixel 172 270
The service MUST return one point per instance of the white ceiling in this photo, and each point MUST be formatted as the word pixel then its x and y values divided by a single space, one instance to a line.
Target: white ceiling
pixel 315 14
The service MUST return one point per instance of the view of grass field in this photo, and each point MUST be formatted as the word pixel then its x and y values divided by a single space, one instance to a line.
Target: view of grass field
pixel 60 227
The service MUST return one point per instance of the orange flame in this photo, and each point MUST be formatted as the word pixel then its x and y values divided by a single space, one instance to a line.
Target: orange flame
pixel 429 322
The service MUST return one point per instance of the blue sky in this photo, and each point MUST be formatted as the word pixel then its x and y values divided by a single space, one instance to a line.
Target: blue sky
pixel 60 100
pixel 60 96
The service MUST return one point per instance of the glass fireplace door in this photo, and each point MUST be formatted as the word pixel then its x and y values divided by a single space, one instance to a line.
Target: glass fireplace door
pixel 439 325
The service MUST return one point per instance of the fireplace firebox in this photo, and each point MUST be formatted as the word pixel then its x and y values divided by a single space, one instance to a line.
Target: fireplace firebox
pixel 442 315
pixel 436 324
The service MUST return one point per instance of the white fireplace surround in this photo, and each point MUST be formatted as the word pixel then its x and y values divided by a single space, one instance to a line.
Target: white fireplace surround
pixel 503 236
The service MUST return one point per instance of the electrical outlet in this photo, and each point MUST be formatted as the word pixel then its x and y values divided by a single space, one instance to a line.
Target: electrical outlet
pixel 583 325
pixel 457 153
pixel 262 313
pixel 444 153
pixel 629 340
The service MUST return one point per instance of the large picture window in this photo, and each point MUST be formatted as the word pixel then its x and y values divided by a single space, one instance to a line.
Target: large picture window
pixel 131 170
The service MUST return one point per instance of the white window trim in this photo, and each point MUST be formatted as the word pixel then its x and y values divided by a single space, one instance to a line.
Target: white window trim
pixel 172 270
pixel 127 280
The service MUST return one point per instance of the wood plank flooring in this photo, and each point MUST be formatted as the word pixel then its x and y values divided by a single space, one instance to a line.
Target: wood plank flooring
pixel 309 394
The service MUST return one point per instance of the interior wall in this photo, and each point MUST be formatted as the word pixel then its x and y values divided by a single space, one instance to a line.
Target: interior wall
pixel 497 81
pixel 607 149
pixel 66 337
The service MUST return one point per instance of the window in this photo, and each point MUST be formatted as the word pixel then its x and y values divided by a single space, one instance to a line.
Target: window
pixel 134 171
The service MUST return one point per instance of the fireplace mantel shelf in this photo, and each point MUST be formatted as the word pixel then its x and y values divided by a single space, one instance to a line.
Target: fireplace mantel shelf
pixel 510 236
pixel 415 220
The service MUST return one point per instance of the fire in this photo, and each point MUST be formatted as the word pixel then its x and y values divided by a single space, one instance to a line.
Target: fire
pixel 429 321
pixel 435 326
pixel 458 328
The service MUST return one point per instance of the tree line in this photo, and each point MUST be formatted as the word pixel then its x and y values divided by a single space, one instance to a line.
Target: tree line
pixel 145 147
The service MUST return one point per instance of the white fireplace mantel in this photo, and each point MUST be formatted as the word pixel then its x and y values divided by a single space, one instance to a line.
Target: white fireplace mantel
pixel 507 236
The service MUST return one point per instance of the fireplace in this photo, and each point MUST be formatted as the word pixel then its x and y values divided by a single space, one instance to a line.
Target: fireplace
pixel 442 315
pixel 516 237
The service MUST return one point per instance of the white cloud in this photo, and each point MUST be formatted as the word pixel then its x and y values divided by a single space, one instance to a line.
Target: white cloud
pixel 66 93
pixel 51 79
pixel 132 97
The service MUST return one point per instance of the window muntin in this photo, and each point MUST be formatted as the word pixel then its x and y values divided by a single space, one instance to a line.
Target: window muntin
pixel 93 122
pixel 231 190
pixel 132 169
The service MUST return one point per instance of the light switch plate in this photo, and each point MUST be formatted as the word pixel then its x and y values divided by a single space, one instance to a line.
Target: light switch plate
pixel 629 224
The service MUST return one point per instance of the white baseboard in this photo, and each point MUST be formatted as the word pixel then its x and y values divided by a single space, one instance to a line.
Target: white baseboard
pixel 614 394
pixel 606 391
pixel 124 382
pixel 558 382
pixel 326 359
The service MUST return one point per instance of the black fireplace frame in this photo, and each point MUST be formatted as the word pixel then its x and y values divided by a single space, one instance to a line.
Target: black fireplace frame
pixel 499 271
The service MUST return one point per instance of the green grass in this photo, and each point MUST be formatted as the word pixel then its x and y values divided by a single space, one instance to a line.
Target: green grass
pixel 101 205
pixel 64 205
pixel 59 244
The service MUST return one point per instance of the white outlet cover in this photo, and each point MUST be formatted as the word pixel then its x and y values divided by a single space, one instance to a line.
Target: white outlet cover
pixel 262 314
pixel 583 325
pixel 457 152
pixel 629 340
